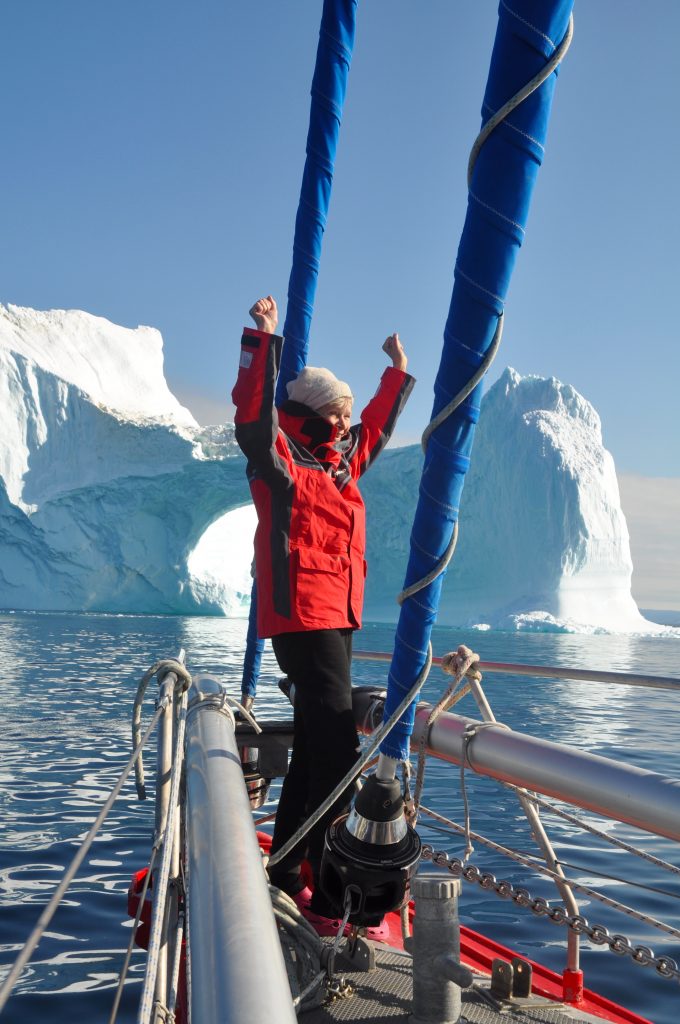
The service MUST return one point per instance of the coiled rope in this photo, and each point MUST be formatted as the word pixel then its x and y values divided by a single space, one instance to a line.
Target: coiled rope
pixel 308 960
pixel 160 669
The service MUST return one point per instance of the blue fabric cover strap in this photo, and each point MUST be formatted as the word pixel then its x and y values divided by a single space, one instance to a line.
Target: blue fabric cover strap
pixel 498 204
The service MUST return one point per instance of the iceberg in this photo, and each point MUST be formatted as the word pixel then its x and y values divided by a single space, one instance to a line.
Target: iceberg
pixel 543 542
pixel 113 498
pixel 107 483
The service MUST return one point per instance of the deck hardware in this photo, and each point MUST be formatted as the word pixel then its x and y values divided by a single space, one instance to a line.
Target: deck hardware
pixel 521 978
pixel 358 954
pixel 501 979
pixel 510 981
pixel 372 852
pixel 436 951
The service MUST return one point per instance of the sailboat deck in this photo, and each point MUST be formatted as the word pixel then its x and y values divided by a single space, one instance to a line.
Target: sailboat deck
pixel 384 995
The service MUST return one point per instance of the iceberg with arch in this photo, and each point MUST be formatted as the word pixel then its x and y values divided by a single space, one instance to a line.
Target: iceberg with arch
pixel 113 498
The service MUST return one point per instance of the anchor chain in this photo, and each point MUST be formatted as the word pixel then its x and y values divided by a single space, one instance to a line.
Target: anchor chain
pixel 665 966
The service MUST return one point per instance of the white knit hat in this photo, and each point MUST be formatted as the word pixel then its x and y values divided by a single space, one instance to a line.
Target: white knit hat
pixel 316 387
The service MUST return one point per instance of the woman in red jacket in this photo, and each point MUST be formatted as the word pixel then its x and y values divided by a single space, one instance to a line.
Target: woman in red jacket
pixel 303 463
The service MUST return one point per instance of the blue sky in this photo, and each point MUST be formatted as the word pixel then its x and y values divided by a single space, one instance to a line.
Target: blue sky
pixel 152 156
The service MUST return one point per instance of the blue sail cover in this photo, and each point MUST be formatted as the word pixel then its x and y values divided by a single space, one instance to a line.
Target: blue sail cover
pixel 252 661
pixel 329 84
pixel 500 192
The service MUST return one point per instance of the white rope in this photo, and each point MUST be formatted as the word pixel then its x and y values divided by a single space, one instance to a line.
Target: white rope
pixel 471 730
pixel 467 388
pixel 244 711
pixel 161 668
pixel 161 885
pixel 458 664
pixel 519 97
pixel 356 770
pixel 174 977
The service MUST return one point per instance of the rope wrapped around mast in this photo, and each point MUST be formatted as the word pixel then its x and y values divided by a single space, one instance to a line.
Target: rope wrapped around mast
pixel 530 35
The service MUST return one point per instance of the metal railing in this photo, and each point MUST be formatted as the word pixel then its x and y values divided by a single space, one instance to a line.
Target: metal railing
pixel 237 967
pixel 550 672
pixel 636 796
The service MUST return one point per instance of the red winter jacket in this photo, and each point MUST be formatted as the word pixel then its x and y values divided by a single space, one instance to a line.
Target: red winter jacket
pixel 311 535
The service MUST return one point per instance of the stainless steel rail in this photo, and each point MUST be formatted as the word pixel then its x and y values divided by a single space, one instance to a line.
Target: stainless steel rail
pixel 237 968
pixel 612 788
pixel 550 672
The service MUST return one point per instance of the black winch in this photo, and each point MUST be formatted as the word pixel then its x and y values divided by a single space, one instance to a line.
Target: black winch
pixel 257 784
pixel 371 852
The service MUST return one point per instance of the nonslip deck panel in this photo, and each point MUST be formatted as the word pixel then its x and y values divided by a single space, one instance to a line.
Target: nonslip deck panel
pixel 384 997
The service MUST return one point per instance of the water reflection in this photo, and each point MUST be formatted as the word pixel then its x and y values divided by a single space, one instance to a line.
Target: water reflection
pixel 69 682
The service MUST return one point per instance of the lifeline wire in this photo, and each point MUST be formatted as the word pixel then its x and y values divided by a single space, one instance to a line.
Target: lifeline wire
pixel 128 954
pixel 543 870
pixel 611 839
pixel 48 912
pixel 356 769
pixel 161 883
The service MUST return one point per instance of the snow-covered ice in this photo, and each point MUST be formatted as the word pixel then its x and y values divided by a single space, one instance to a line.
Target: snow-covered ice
pixel 112 498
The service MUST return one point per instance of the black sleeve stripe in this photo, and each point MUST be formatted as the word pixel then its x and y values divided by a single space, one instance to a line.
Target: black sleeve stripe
pixel 250 341
pixel 386 433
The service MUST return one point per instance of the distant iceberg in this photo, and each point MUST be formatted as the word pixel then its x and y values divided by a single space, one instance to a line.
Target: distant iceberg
pixel 112 498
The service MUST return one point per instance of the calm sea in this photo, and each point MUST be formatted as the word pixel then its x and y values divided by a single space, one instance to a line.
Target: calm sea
pixel 68 682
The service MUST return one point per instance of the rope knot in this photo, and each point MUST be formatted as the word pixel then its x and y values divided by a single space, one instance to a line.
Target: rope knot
pixel 163 668
pixel 462 663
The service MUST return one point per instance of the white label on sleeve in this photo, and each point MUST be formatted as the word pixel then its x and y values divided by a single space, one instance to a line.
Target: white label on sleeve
pixel 246 358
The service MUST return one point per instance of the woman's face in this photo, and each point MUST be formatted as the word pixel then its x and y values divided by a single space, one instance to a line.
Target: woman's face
pixel 340 416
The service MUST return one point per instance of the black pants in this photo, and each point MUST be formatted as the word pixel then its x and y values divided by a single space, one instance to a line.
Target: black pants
pixel 325 745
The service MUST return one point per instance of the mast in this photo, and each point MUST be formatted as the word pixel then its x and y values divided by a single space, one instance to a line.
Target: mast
pixel 329 85
pixel 501 181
